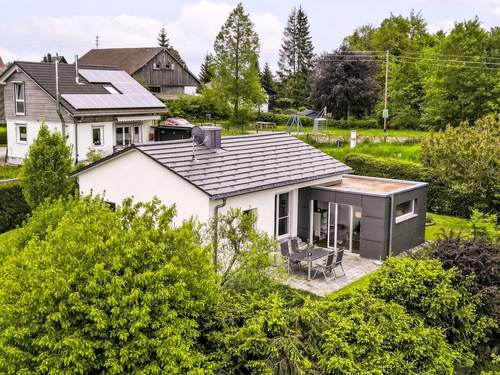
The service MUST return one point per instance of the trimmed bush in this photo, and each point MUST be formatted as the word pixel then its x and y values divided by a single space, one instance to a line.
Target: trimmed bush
pixel 3 134
pixel 13 206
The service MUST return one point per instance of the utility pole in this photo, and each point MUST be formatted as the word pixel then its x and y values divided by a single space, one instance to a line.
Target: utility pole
pixel 385 113
pixel 97 41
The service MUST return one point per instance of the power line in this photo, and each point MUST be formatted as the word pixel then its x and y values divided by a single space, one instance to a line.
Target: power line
pixel 368 52
pixel 446 60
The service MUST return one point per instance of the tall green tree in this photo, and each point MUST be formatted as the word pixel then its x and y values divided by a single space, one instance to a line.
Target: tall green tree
pixel 206 69
pixel 164 42
pixel 455 92
pixel 236 77
pixel 46 168
pixel 266 77
pixel 296 58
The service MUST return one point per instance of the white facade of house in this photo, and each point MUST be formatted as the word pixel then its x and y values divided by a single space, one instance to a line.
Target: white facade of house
pixel 135 175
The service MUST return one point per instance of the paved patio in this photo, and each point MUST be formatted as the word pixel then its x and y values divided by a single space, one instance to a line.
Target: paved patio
pixel 355 268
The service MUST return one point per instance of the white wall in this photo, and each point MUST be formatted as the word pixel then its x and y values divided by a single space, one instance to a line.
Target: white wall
pixel 264 202
pixel 134 174
pixel 190 90
pixel 16 151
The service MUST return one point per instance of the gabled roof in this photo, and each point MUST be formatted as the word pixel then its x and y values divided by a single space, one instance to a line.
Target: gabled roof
pixel 128 59
pixel 243 164
pixel 43 74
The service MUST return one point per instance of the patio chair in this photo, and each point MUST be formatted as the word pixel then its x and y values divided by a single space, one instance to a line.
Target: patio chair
pixel 326 267
pixel 285 253
pixel 338 261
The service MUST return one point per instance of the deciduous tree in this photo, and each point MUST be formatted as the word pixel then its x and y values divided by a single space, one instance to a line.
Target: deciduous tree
pixel 46 168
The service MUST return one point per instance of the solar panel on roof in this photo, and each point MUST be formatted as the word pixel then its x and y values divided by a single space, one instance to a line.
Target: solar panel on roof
pixel 133 94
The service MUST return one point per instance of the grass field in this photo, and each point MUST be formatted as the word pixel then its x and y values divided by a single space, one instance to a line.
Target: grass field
pixel 404 151
pixel 444 223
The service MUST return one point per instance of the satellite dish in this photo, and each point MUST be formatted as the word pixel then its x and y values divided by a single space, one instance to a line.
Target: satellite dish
pixel 198 135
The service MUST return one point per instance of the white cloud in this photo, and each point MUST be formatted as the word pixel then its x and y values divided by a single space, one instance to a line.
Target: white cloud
pixel 493 5
pixel 444 25
pixel 192 33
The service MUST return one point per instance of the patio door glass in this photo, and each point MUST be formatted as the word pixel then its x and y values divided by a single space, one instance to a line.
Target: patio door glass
pixel 344 227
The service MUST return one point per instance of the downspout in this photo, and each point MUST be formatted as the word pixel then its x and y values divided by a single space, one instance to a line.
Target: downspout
pixel 58 105
pixel 391 223
pixel 216 228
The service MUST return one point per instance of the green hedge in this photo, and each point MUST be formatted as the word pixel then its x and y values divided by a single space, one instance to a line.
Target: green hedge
pixel 441 197
pixel 282 119
pixel 3 134
pixel 13 207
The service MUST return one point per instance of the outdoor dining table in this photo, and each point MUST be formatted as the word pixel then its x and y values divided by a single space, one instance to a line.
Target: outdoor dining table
pixel 309 256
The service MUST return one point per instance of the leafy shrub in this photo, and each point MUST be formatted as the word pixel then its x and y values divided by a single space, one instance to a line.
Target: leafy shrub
pixel 105 292
pixel 368 335
pixel 442 298
pixel 9 171
pixel 46 168
pixel 283 103
pixel 477 257
pixel 13 207
pixel 468 157
pixel 196 107
pixel 3 134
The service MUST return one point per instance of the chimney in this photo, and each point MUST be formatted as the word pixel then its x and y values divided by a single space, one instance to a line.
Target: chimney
pixel 77 79
pixel 212 136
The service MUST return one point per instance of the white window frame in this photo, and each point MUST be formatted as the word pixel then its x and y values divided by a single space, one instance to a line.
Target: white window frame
pixel 131 129
pixel 18 133
pixel 101 132
pixel 16 99
pixel 408 215
pixel 278 217
pixel 156 66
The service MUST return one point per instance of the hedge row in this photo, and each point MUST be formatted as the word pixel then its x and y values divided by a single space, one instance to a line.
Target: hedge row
pixel 13 207
pixel 282 119
pixel 441 197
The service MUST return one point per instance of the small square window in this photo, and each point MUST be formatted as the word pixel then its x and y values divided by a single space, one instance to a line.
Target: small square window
pixel 155 89
pixel 156 66
pixel 97 136
pixel 22 133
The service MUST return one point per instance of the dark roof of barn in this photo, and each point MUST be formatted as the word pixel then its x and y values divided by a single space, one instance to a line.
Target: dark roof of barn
pixel 243 164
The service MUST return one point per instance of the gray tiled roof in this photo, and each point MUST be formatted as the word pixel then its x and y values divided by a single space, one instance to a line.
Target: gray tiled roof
pixel 245 163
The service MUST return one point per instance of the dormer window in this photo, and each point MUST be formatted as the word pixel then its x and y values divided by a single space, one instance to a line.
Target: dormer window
pixel 19 98
pixel 111 89
pixel 156 66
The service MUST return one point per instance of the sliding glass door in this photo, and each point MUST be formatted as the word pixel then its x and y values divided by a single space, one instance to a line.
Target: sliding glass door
pixel 344 227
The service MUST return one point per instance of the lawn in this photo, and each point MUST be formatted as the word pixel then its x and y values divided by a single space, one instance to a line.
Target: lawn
pixel 404 151
pixel 9 171
pixel 444 223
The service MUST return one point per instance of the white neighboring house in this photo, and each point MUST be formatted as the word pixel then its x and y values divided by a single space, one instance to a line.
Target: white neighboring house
pixel 101 109
pixel 261 172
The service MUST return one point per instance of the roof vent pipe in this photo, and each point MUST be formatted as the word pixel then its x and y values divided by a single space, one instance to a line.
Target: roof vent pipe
pixel 212 137
pixel 77 79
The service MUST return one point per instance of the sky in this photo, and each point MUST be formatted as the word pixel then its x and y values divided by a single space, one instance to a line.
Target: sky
pixel 35 27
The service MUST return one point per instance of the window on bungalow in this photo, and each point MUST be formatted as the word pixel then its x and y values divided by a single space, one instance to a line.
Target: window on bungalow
pixel 97 136
pixel 111 89
pixel 282 214
pixel 22 133
pixel 19 98
pixel 405 210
